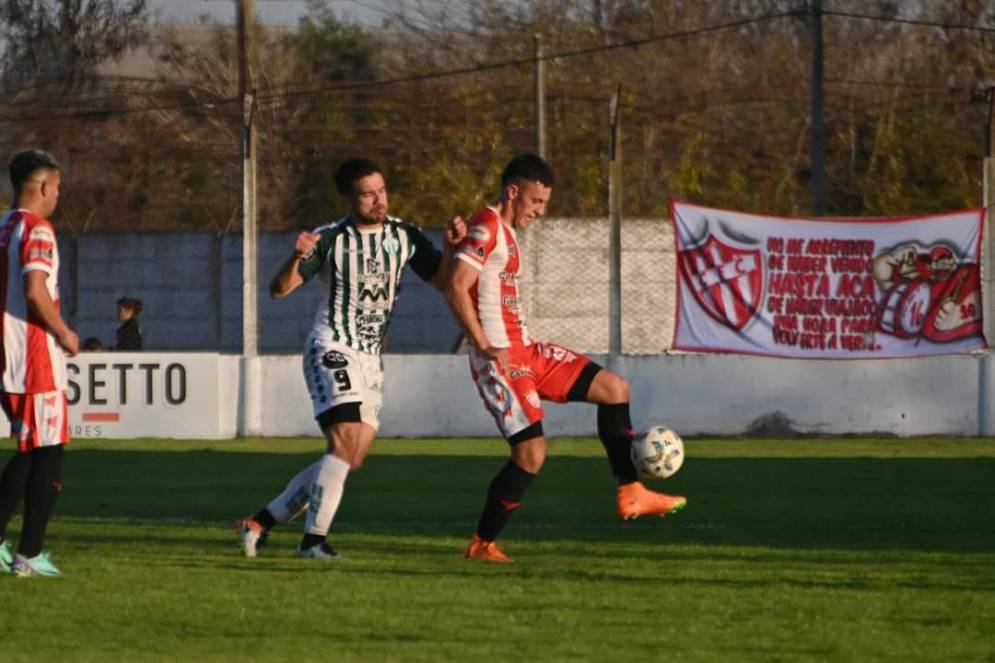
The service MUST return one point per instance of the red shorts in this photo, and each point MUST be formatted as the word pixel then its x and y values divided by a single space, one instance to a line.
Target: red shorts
pixel 538 372
pixel 37 420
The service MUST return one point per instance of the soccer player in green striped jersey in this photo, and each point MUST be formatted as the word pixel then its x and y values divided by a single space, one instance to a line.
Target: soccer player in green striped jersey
pixel 360 257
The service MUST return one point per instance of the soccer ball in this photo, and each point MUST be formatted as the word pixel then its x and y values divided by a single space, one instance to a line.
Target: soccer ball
pixel 657 453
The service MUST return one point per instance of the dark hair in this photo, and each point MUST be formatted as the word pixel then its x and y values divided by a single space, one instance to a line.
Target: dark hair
pixel 130 302
pixel 352 170
pixel 528 167
pixel 26 163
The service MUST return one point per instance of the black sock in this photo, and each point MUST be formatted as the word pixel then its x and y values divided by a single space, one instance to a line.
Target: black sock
pixel 311 540
pixel 44 486
pixel 265 518
pixel 13 483
pixel 615 431
pixel 503 497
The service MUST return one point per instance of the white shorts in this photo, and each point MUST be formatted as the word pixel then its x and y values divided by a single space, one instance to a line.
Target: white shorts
pixel 337 374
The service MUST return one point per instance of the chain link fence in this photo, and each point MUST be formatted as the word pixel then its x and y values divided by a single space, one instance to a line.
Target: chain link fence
pixel 191 286
pixel 566 285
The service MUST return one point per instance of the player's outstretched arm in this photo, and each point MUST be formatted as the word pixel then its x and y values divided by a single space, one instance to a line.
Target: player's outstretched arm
pixel 288 278
pixel 43 308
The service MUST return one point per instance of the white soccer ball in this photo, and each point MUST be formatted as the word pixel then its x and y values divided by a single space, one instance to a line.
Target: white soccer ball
pixel 657 453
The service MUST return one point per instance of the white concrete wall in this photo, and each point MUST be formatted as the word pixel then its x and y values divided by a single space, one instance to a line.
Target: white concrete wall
pixel 432 395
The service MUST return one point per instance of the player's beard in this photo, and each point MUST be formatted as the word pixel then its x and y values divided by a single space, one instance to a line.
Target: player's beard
pixel 376 216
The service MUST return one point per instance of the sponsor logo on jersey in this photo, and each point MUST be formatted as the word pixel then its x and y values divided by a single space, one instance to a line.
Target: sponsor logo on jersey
pixel 40 253
pixel 511 277
pixel 373 285
pixel 391 245
pixel 370 319
pixel 479 233
pixel 511 301
pixel 334 359
pixel 373 293
pixel 41 233
pixel 520 372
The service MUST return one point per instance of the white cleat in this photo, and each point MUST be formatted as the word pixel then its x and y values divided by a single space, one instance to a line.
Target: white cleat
pixel 250 535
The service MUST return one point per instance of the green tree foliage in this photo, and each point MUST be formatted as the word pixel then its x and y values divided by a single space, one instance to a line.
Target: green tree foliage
pixel 61 43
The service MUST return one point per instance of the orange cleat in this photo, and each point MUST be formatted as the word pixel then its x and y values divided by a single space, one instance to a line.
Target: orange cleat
pixel 487 551
pixel 635 500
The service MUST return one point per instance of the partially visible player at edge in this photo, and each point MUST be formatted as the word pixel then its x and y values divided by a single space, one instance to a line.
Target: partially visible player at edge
pixel 35 342
pixel 362 256
pixel 513 372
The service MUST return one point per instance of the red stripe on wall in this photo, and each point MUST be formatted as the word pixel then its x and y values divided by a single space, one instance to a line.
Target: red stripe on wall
pixel 101 416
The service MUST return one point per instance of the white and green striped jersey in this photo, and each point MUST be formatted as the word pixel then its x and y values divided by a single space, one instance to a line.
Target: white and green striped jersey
pixel 363 271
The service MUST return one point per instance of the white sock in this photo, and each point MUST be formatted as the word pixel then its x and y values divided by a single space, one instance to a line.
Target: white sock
pixel 294 497
pixel 326 493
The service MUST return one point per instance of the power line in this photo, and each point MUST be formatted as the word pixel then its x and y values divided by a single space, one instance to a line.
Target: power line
pixel 910 21
pixel 462 71
pixel 632 43
pixel 515 62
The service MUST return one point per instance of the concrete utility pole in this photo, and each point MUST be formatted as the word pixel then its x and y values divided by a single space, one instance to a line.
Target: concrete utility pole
pixel 986 409
pixel 817 163
pixel 540 67
pixel 250 419
pixel 615 225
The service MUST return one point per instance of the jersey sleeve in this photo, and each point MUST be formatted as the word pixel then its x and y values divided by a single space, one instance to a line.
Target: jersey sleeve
pixel 311 264
pixel 480 240
pixel 37 246
pixel 425 258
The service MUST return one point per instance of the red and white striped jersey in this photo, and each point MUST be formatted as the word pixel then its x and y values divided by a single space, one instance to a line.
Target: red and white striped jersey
pixel 490 246
pixel 33 361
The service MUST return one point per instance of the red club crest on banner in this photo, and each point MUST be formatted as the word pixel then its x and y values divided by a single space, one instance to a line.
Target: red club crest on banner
pixel 727 281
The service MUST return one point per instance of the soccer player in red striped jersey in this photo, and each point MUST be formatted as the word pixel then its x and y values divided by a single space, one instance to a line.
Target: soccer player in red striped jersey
pixel 514 372
pixel 35 342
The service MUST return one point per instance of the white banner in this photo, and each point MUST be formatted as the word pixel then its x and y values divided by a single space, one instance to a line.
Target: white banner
pixel 838 288
pixel 149 394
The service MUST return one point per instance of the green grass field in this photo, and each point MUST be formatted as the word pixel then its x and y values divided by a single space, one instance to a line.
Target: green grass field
pixel 794 550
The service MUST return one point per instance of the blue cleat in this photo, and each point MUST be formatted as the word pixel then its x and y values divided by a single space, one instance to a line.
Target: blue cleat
pixel 39 565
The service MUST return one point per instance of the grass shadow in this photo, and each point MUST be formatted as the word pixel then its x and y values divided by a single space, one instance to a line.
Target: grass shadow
pixel 935 504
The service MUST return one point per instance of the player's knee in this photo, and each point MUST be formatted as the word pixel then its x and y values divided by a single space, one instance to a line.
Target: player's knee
pixel 350 442
pixel 614 388
pixel 530 454
pixel 353 454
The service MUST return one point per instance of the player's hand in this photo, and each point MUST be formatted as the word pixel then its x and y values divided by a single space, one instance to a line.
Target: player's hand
pixel 69 341
pixel 455 231
pixel 305 243
pixel 499 356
